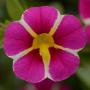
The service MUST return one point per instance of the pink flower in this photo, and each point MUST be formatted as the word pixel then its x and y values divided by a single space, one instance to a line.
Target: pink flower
pixel 84 7
pixel 49 85
pixel 45 85
pixel 44 44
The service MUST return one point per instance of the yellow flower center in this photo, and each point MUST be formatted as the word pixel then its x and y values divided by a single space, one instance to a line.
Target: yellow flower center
pixel 43 42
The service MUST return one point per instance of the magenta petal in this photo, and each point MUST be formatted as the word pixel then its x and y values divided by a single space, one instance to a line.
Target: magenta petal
pixel 41 19
pixel 84 7
pixel 75 40
pixel 30 67
pixel 45 85
pixel 88 34
pixel 62 65
pixel 16 39
pixel 70 33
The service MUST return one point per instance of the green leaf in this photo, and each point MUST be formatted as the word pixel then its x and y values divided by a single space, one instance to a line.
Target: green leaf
pixel 1 36
pixel 14 9
pixel 84 74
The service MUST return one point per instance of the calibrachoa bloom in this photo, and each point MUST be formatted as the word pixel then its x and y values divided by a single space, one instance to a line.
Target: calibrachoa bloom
pixel 44 44
pixel 84 6
pixel 49 85
pixel 45 85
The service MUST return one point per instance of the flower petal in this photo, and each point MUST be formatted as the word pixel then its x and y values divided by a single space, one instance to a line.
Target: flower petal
pixel 40 19
pixel 63 64
pixel 88 34
pixel 45 85
pixel 16 39
pixel 30 67
pixel 84 7
pixel 70 33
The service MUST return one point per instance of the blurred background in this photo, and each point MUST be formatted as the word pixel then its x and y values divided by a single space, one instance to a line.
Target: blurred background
pixel 11 10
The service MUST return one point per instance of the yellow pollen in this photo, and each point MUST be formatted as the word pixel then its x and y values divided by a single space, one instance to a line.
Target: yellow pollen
pixel 43 42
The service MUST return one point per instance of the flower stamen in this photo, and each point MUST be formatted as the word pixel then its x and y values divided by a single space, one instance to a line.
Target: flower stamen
pixel 44 52
pixel 43 42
